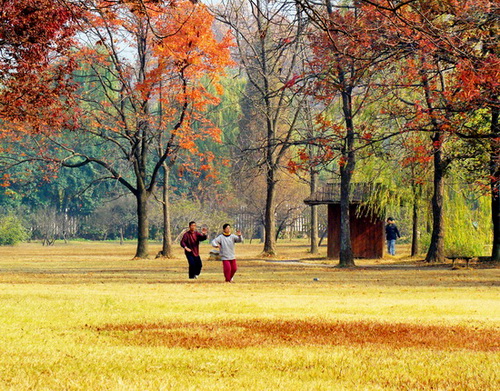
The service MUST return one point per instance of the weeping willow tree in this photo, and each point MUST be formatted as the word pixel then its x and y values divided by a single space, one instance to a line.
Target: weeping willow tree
pixel 396 193
pixel 400 184
pixel 469 213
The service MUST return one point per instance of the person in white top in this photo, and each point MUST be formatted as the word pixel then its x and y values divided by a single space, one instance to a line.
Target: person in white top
pixel 225 242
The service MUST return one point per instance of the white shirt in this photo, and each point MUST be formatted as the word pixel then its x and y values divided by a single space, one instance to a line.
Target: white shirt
pixel 226 244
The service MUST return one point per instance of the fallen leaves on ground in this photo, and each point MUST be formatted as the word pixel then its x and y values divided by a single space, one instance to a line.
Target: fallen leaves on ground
pixel 249 333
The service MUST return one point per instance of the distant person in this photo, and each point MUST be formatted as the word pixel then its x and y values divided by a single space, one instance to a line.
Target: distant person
pixel 190 242
pixel 391 234
pixel 225 242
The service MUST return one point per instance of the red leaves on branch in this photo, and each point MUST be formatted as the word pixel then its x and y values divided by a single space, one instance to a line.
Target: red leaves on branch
pixel 35 37
pixel 290 83
pixel 293 167
pixel 367 136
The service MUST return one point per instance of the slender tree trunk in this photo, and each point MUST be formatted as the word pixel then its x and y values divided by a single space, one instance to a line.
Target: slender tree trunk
pixel 250 232
pixel 167 235
pixel 314 214
pixel 281 227
pixel 346 258
pixel 346 254
pixel 436 248
pixel 347 166
pixel 495 211
pixel 323 235
pixel 414 233
pixel 495 185
pixel 142 224
pixel 121 236
pixel 269 217
pixel 435 253
pixel 141 152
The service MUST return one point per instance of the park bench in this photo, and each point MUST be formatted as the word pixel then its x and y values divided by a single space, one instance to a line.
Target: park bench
pixel 466 259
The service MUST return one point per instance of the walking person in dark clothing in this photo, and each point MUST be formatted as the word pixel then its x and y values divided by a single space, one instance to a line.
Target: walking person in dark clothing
pixel 391 234
pixel 190 242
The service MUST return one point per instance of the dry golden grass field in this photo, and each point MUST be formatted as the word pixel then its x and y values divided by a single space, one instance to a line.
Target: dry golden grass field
pixel 85 316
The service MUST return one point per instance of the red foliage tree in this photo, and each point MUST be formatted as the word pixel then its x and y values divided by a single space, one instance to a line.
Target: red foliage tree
pixel 449 70
pixel 35 36
pixel 454 56
pixel 143 76
pixel 349 53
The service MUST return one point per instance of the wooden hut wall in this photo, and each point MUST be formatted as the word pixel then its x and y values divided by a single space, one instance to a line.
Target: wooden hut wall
pixel 367 234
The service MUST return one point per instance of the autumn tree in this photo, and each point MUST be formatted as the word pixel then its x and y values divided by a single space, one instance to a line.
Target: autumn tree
pixel 309 165
pixel 349 53
pixel 455 47
pixel 419 88
pixel 35 36
pixel 269 36
pixel 142 63
pixel 402 169
pixel 35 39
pixel 449 59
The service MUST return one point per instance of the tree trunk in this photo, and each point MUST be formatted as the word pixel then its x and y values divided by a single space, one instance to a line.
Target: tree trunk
pixel 495 210
pixel 495 185
pixel 414 233
pixel 323 235
pixel 436 248
pixel 250 232
pixel 167 236
pixel 346 254
pixel 142 224
pixel 269 217
pixel 314 214
pixel 347 166
pixel 121 236
pixel 435 252
pixel 281 228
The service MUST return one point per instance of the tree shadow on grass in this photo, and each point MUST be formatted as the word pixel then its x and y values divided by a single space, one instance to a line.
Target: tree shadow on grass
pixel 258 271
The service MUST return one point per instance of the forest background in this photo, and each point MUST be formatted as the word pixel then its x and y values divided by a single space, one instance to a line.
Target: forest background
pixel 127 119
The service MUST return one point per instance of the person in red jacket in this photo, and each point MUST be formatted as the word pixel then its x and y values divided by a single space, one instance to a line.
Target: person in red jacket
pixel 190 242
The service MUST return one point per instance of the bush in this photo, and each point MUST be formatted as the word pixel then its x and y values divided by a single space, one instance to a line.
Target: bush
pixel 11 231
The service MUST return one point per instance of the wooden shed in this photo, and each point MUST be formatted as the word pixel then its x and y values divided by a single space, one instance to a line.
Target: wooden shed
pixel 367 231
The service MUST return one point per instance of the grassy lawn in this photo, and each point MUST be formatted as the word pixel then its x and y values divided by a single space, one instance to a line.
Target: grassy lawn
pixel 84 316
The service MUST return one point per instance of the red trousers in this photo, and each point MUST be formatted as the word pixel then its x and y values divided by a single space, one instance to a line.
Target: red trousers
pixel 229 267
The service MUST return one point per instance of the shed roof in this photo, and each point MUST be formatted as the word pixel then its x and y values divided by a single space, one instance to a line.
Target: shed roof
pixel 330 194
